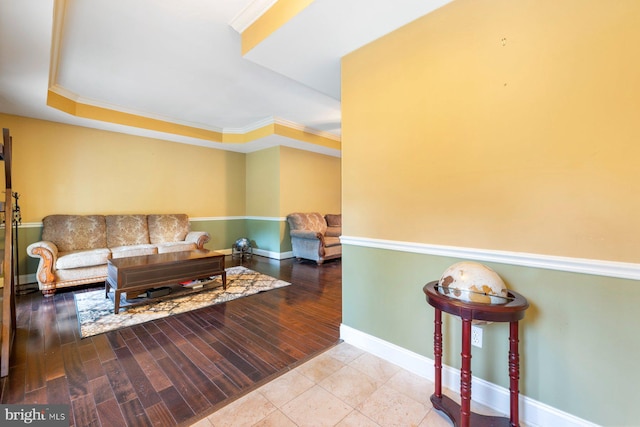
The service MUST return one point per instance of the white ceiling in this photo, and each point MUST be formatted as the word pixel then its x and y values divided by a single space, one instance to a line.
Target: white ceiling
pixel 181 62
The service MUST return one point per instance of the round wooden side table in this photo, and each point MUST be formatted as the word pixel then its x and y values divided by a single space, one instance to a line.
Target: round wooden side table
pixel 511 312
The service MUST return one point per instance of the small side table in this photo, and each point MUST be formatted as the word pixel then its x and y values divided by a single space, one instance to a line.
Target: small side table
pixel 511 312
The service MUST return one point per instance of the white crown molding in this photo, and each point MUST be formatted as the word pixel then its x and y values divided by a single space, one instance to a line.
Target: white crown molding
pixel 250 14
pixel 250 127
pixel 306 129
pixel 622 270
pixel 532 412
pixel 59 13
pixel 287 123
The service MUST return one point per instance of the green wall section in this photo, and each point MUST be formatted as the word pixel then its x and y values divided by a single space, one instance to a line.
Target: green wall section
pixel 26 236
pixel 267 235
pixel 223 232
pixel 574 341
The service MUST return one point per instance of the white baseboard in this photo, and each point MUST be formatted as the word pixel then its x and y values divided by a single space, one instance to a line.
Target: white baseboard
pixel 262 252
pixel 273 255
pixel 25 279
pixel 532 412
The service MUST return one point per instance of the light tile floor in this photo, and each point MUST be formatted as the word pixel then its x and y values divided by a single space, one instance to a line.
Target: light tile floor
pixel 342 387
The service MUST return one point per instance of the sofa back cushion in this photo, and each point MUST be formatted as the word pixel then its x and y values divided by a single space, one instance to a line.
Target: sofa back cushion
pixel 126 230
pixel 75 232
pixel 334 220
pixel 168 227
pixel 307 221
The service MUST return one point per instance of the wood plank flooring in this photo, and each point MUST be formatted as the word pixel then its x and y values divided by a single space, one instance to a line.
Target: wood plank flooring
pixel 176 370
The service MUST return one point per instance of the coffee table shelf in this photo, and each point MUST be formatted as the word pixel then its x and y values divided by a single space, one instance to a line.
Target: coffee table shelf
pixel 176 290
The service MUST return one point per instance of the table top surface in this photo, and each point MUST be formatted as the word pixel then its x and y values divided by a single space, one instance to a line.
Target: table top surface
pixel 511 311
pixel 164 258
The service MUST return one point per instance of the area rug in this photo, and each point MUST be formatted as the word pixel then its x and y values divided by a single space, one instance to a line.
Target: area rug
pixel 96 316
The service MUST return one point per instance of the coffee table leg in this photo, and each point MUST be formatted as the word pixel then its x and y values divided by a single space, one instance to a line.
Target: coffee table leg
pixel 116 302
pixel 224 280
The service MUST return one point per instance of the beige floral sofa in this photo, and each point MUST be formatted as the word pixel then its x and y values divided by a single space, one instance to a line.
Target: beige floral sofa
pixel 75 248
pixel 315 237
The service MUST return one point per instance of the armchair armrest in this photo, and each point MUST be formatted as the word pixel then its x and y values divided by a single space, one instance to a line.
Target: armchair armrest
pixel 310 235
pixel 333 231
pixel 198 237
pixel 48 254
pixel 306 234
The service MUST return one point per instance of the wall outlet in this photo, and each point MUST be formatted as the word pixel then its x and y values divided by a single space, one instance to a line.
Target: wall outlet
pixel 476 336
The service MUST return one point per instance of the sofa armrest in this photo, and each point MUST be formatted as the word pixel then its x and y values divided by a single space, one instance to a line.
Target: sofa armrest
pixel 48 253
pixel 198 237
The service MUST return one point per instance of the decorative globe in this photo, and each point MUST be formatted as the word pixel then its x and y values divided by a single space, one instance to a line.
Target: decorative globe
pixel 473 282
pixel 242 245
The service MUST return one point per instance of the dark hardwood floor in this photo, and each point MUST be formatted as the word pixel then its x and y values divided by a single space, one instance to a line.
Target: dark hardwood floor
pixel 176 370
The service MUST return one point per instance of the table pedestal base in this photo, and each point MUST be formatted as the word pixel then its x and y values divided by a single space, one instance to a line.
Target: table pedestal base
pixel 452 410
pixel 512 312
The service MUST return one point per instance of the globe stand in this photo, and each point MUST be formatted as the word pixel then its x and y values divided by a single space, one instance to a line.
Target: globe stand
pixel 512 312
pixel 242 254
pixel 242 249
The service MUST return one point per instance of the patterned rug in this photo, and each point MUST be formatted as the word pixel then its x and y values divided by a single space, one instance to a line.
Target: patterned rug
pixel 96 316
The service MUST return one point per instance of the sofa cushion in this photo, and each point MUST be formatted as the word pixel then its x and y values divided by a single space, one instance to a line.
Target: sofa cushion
pixel 80 276
pixel 332 252
pixel 133 250
pixel 168 228
pixel 333 232
pixel 123 230
pixel 331 241
pixel 84 258
pixel 334 220
pixel 175 247
pixel 75 232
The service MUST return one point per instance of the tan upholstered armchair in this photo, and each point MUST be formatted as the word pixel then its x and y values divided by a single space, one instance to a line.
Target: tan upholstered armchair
pixel 312 239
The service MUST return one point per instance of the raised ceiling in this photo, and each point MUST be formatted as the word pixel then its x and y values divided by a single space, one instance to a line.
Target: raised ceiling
pixel 175 70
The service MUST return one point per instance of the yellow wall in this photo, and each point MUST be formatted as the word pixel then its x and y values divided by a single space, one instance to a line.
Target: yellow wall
pixel 281 180
pixel 309 182
pixel 501 125
pixel 263 182
pixel 60 168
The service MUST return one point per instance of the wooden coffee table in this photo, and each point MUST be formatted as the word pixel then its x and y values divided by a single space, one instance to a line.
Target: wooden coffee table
pixel 134 275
